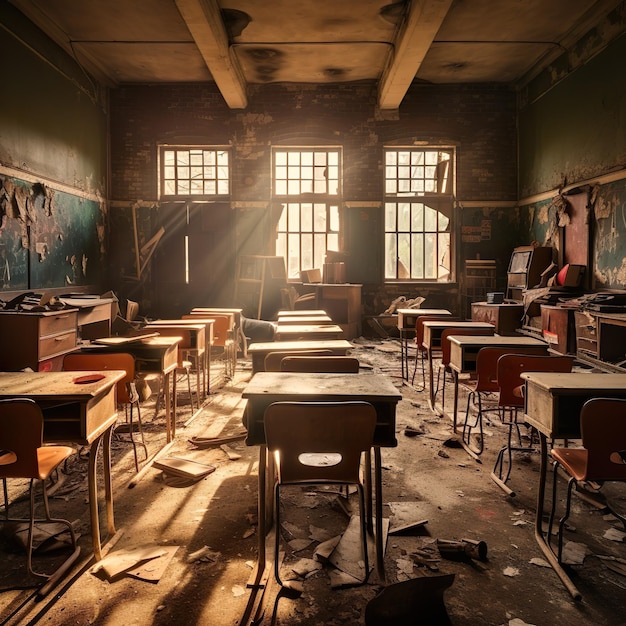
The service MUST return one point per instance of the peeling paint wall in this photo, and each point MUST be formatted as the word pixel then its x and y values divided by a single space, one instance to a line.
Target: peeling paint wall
pixel 53 164
pixel 574 134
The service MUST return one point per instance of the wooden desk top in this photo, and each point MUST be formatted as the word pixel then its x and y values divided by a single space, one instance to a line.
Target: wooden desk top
pixel 304 320
pixel 301 312
pixel 576 382
pixel 308 328
pixel 312 386
pixel 497 341
pixel 320 344
pixel 408 317
pixel 55 385
pixel 267 387
pixel 443 323
pixel 188 322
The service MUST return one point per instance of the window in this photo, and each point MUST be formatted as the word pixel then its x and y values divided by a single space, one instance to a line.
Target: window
pixel 194 171
pixel 307 184
pixel 418 211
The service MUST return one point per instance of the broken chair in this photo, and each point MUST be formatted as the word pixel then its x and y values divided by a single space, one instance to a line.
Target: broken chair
pixel 319 443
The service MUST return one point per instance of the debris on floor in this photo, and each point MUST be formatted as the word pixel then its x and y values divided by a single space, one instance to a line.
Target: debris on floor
pixel 144 563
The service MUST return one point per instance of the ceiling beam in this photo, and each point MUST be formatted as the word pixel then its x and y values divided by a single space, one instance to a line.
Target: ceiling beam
pixel 416 33
pixel 204 21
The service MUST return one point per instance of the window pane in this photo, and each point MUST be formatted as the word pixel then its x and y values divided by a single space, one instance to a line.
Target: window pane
pixel 293 260
pixel 195 172
pixel 319 242
pixel 404 216
pixel 280 158
pixel 306 244
pixel 417 256
pixel 306 218
pixel 404 255
pixel 334 218
pixel 391 254
pixel 319 218
pixel 430 219
pixel 417 223
pixel 280 188
pixel 332 242
pixel 293 187
pixel 390 216
pixel 430 271
pixel 293 217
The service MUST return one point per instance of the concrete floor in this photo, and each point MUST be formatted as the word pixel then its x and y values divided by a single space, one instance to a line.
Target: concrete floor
pixel 425 477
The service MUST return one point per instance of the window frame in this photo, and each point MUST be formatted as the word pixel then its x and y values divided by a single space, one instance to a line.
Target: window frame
pixel 220 192
pixel 307 202
pixel 430 194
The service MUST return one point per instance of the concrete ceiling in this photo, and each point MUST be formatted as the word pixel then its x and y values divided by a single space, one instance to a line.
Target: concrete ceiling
pixel 239 42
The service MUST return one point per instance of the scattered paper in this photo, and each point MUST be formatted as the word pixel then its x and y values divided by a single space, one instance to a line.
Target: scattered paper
pixel 510 571
pixel 613 534
pixel 574 553
pixel 539 562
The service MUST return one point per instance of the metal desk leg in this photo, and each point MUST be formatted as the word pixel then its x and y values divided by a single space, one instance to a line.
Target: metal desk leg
pixel 367 480
pixel 431 385
pixel 539 534
pixel 380 552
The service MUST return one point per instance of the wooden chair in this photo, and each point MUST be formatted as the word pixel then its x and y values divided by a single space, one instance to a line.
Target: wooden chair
pixel 126 390
pixel 444 364
pixel 23 455
pixel 331 364
pixel 420 350
pixel 479 387
pixel 319 443
pixel 511 399
pixel 601 459
pixel 184 365
pixel 273 359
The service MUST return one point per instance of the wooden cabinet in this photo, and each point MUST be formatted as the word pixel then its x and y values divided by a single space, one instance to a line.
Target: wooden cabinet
pixel 37 340
pixel 342 302
pixel 506 317
pixel 601 339
pixel 558 328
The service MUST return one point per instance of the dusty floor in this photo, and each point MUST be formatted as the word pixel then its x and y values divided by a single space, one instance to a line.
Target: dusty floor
pixel 423 476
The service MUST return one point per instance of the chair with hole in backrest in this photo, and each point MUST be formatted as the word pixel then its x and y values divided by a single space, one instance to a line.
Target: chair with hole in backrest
pixel 420 350
pixel 329 364
pixel 273 360
pixel 319 443
pixel 601 459
pixel 23 455
pixel 484 383
pixel 127 394
pixel 511 400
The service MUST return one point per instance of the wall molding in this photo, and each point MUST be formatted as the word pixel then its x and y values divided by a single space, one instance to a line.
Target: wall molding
pixel 27 177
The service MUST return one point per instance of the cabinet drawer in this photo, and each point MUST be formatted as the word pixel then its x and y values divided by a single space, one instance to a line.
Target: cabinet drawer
pixel 50 325
pixel 51 346
pixel 586 326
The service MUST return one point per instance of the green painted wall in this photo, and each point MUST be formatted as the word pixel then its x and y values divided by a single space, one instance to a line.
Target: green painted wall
pixel 577 129
pixel 53 136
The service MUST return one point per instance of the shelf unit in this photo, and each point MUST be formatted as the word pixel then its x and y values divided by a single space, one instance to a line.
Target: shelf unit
pixel 525 268
pixel 480 278
pixel 258 282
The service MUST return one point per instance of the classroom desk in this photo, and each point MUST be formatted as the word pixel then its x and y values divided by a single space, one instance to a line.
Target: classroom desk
pixel 258 351
pixel 300 312
pixel 290 332
pixel 197 349
pixel 235 325
pixel 464 350
pixel 153 355
pixel 265 388
pixel 432 342
pixel 291 320
pixel 407 318
pixel 553 402
pixel 83 414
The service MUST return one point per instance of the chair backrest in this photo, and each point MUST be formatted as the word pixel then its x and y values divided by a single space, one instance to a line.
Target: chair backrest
pixel 445 343
pixel 97 362
pixel 419 327
pixel 487 364
pixel 302 431
pixel 21 433
pixel 132 310
pixel 511 366
pixel 333 364
pixel 221 325
pixel 274 359
pixel 603 429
